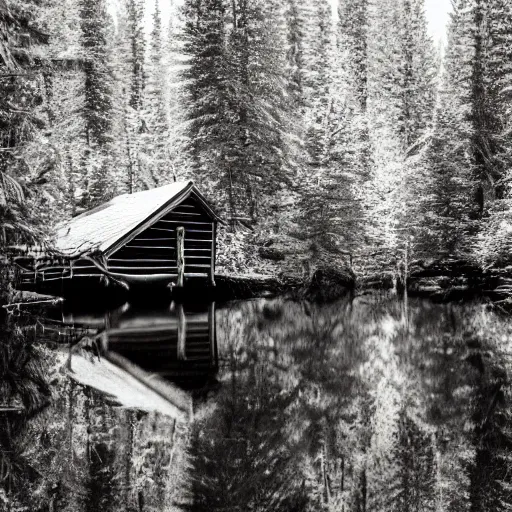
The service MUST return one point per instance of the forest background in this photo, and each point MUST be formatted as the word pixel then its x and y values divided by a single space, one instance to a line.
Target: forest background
pixel 317 137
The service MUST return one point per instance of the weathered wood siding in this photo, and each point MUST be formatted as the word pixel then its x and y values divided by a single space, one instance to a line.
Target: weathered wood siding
pixel 154 250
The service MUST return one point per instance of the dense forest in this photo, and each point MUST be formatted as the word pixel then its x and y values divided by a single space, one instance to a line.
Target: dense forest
pixel 337 133
pixel 323 133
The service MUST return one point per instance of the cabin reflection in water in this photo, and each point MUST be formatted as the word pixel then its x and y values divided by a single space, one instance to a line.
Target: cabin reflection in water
pixel 177 342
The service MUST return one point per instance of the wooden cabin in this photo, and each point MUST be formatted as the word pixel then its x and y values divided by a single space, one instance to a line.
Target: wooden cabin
pixel 158 236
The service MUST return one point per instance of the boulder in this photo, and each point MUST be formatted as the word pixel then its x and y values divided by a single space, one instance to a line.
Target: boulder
pixel 329 283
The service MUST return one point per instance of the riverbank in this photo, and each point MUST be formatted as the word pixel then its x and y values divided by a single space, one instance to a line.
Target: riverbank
pixel 439 280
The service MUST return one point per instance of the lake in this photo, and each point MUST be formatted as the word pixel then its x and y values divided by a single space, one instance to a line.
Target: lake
pixel 366 404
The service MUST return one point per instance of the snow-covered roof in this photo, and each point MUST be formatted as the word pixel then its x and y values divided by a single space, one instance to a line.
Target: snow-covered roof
pixel 103 226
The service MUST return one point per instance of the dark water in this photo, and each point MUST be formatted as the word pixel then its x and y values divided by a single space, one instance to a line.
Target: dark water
pixel 363 405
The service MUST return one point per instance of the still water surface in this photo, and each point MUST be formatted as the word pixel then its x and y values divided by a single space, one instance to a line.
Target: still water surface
pixel 368 404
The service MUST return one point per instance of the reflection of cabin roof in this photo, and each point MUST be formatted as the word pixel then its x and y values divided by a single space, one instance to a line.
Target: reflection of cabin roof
pixel 131 386
pixel 107 224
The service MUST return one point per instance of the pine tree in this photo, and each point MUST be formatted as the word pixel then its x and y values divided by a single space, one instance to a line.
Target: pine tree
pixel 205 82
pixel 465 149
pixel 238 109
pixel 491 45
pixel 135 12
pixel 401 95
pixel 490 119
pixel 97 105
pixel 336 137
pixel 295 15
pixel 353 28
pixel 156 103
pixel 21 95
pixel 132 71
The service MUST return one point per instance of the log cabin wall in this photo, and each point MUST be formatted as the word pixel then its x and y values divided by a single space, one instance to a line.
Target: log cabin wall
pixel 154 250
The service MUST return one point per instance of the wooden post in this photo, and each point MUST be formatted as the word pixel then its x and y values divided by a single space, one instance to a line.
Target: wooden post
pixel 180 254
pixel 182 333
pixel 214 246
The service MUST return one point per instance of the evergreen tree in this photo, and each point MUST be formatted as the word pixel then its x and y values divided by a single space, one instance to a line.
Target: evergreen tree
pixel 449 204
pixel 156 104
pixel 21 122
pixel 295 15
pixel 132 78
pixel 401 94
pixel 97 104
pixel 238 108
pixel 491 42
pixel 135 12
pixel 353 25
pixel 205 81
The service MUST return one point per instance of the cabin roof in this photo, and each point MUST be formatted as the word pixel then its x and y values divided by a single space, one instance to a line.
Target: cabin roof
pixel 107 224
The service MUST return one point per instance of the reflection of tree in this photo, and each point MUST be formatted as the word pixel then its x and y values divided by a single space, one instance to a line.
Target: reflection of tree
pixel 490 473
pixel 241 455
pixel 345 407
pixel 393 401
pixel 101 486
pixel 412 486
pixel 23 386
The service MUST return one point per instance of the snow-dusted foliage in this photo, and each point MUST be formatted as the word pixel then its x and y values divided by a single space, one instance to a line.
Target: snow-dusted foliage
pixel 341 130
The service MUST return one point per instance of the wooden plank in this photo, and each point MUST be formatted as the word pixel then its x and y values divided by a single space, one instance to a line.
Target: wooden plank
pixel 168 230
pixel 198 257
pixel 149 247
pixel 194 240
pixel 158 254
pixel 50 273
pixel 172 239
pixel 180 254
pixel 87 275
pixel 11 408
pixel 185 205
pixel 185 218
pixel 130 252
pixel 178 213
pixel 212 255
pixel 141 260
pixel 115 267
pixel 180 222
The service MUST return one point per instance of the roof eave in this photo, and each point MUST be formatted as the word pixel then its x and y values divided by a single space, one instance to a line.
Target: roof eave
pixel 162 210
pixel 206 206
